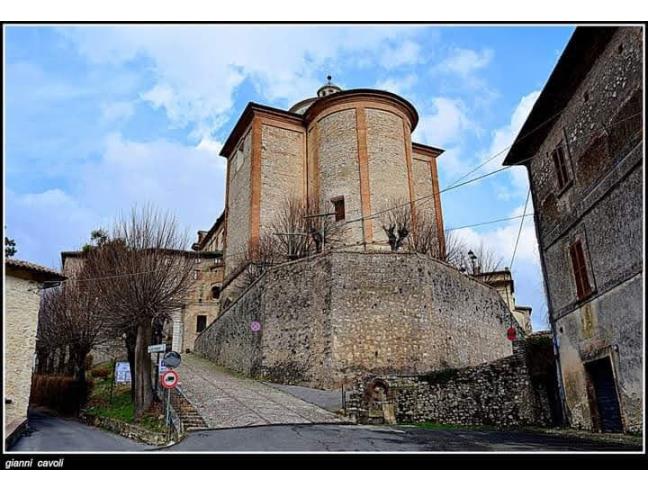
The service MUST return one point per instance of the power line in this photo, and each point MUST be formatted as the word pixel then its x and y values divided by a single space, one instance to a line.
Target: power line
pixel 517 240
pixel 489 222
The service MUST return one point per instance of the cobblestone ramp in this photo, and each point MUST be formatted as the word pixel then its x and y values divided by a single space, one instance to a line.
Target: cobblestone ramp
pixel 225 400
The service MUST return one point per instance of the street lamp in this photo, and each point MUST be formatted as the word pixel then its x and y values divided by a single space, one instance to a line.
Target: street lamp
pixel 473 259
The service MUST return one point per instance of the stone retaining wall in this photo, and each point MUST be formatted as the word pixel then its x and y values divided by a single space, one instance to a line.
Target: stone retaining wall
pixel 497 393
pixel 325 320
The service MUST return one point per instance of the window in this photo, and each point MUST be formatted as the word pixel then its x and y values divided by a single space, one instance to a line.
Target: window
pixel 560 162
pixel 583 287
pixel 201 323
pixel 216 290
pixel 338 204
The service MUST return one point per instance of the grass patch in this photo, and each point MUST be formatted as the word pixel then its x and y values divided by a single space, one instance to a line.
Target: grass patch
pixel 121 407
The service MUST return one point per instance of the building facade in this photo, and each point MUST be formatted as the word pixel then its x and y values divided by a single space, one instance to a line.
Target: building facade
pixel 582 145
pixel 23 284
pixel 348 151
pixel 201 304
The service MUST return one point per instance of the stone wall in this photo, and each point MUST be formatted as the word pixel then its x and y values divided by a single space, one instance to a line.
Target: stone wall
pixel 238 206
pixel 387 164
pixel 338 167
pixel 282 170
pixel 601 131
pixel 21 322
pixel 496 393
pixel 328 318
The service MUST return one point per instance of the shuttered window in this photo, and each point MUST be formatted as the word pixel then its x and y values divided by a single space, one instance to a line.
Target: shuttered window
pixel 583 287
pixel 560 163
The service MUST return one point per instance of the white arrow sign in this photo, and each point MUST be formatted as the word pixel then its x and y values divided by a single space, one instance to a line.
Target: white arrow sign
pixel 153 349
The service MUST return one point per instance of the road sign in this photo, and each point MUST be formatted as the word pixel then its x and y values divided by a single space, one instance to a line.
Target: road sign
pixel 172 359
pixel 169 379
pixel 154 349
pixel 122 372
pixel 255 326
pixel 511 333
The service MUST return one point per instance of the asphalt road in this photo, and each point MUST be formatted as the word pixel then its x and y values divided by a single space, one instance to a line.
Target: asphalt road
pixel 381 438
pixel 49 433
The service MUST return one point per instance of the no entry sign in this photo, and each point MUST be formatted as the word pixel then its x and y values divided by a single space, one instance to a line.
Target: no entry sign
pixel 511 333
pixel 169 379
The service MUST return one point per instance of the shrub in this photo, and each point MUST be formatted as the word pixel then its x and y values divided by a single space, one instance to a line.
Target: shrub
pixel 101 372
pixel 62 394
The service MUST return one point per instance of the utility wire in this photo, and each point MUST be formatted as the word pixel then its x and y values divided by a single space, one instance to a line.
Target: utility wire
pixel 517 240
pixel 489 222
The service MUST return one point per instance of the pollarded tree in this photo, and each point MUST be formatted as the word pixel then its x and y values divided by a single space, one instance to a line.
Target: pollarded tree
pixel 397 223
pixel 142 275
pixel 70 325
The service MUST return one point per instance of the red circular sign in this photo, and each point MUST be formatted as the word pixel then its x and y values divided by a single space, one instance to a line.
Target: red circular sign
pixel 511 333
pixel 169 379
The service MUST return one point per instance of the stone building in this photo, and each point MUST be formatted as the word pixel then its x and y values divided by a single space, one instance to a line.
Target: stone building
pixel 23 284
pixel 201 305
pixel 582 145
pixel 323 320
pixel 350 151
pixel 502 281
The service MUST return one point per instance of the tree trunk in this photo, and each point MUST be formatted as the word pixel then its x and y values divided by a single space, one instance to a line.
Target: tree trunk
pixel 142 376
pixel 80 378
pixel 130 354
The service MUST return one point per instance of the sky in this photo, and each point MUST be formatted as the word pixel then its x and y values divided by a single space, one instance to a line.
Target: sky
pixel 100 118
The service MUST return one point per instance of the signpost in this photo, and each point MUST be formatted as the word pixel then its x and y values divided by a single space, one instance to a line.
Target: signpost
pixel 154 349
pixel 169 378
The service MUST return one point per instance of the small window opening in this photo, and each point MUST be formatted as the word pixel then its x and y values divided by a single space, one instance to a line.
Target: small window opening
pixel 338 205
pixel 586 96
pixel 215 290
pixel 201 323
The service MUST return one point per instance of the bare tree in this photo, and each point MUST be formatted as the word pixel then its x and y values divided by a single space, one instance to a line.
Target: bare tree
pixel 70 326
pixel 397 223
pixel 298 230
pixel 142 275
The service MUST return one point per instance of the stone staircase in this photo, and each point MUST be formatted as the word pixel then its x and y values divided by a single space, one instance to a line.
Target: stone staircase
pixel 189 417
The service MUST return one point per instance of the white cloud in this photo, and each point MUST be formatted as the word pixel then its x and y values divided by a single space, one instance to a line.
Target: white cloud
pixel 117 111
pixel 186 180
pixel 406 53
pixel 398 85
pixel 502 139
pixel 446 124
pixel 196 70
pixel 463 62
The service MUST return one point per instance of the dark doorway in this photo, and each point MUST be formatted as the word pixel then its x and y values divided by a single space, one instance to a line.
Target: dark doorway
pixel 607 412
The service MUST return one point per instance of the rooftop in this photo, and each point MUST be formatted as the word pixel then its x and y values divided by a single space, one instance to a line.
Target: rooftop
pixel 32 271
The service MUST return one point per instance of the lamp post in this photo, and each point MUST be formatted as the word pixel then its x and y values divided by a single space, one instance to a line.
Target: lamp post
pixel 473 259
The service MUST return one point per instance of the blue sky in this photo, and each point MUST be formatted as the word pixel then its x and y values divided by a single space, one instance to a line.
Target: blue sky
pixel 99 118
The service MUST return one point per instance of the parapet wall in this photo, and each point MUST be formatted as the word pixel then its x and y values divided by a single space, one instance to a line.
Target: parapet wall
pixel 327 319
